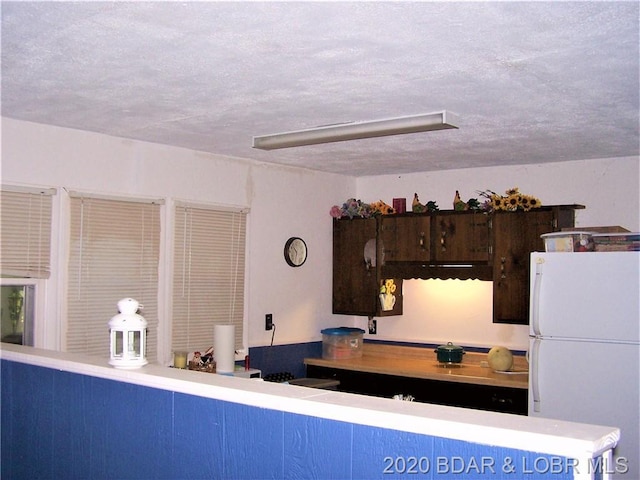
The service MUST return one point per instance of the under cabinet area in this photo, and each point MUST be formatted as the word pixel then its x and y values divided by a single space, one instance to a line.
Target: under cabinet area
pixel 466 395
pixel 444 244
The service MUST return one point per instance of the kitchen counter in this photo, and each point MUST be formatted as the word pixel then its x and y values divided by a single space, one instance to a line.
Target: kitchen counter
pixel 416 362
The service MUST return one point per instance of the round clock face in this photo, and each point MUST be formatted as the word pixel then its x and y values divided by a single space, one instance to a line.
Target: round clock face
pixel 295 251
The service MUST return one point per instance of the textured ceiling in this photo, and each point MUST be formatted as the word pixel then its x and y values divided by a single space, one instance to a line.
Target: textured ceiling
pixel 531 82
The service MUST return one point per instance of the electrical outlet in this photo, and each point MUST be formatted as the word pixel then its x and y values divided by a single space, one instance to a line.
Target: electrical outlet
pixel 268 321
pixel 373 326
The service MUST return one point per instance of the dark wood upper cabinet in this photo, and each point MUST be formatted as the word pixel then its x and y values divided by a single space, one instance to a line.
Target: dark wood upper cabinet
pixel 406 238
pixel 444 244
pixel 354 280
pixel 515 236
pixel 460 237
pixel 356 270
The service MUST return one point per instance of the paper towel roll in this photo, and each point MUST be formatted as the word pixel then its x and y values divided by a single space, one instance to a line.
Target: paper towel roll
pixel 224 346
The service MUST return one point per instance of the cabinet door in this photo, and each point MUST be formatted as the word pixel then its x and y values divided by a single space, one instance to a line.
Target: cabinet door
pixel 405 239
pixel 355 285
pixel 461 238
pixel 515 236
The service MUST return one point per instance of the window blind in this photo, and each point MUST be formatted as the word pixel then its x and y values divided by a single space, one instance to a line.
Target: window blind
pixel 25 240
pixel 114 254
pixel 209 264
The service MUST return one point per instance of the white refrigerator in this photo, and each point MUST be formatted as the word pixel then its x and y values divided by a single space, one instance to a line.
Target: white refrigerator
pixel 584 350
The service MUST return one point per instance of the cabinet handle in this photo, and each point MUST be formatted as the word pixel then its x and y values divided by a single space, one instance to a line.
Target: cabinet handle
pixel 503 275
pixel 421 241
pixel 442 241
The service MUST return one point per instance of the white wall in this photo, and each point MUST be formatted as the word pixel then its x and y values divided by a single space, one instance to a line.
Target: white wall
pixel 284 202
pixel 288 202
pixel 447 310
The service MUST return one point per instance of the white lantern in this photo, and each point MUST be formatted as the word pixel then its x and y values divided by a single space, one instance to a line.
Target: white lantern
pixel 128 332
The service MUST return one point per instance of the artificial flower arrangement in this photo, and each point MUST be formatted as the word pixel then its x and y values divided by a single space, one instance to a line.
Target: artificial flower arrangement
pixel 387 297
pixel 351 208
pixel 512 201
pixel 356 208
pixel 388 286
pixel 381 208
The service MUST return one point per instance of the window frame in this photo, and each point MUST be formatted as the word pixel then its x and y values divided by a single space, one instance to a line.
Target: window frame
pixel 51 304
pixel 37 321
pixel 153 322
pixel 40 277
pixel 21 260
pixel 241 338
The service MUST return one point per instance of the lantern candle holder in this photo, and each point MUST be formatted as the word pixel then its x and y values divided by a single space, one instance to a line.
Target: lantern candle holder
pixel 128 333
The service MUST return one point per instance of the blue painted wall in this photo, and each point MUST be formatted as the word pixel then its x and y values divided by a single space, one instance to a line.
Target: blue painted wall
pixel 59 425
pixel 284 358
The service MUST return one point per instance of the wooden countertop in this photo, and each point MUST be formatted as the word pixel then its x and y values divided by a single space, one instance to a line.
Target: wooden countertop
pixel 419 362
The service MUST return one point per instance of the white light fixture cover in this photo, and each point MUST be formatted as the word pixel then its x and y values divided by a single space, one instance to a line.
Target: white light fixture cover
pixel 357 130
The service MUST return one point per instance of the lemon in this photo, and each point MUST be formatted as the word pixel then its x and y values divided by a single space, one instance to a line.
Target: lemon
pixel 500 359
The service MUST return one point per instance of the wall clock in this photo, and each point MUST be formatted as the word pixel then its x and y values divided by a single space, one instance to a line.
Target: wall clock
pixel 295 251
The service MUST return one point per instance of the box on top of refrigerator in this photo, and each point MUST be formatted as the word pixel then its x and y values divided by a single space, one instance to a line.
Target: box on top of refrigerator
pixel 568 241
pixel 617 242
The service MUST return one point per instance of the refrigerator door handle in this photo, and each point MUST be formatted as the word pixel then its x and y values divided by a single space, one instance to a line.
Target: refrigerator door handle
pixel 535 297
pixel 533 370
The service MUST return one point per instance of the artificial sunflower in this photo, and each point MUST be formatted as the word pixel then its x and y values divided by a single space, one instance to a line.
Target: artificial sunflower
pixel 381 208
pixel 534 202
pixel 389 286
pixel 512 201
pixel 498 202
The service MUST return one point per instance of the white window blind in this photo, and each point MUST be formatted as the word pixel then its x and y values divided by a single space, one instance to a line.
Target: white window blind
pixel 209 261
pixel 25 240
pixel 114 254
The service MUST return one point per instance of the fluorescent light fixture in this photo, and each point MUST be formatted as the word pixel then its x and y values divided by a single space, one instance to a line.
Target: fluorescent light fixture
pixel 357 130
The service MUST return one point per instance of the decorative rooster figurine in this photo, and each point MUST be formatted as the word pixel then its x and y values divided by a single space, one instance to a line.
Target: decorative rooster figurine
pixel 458 204
pixel 416 206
